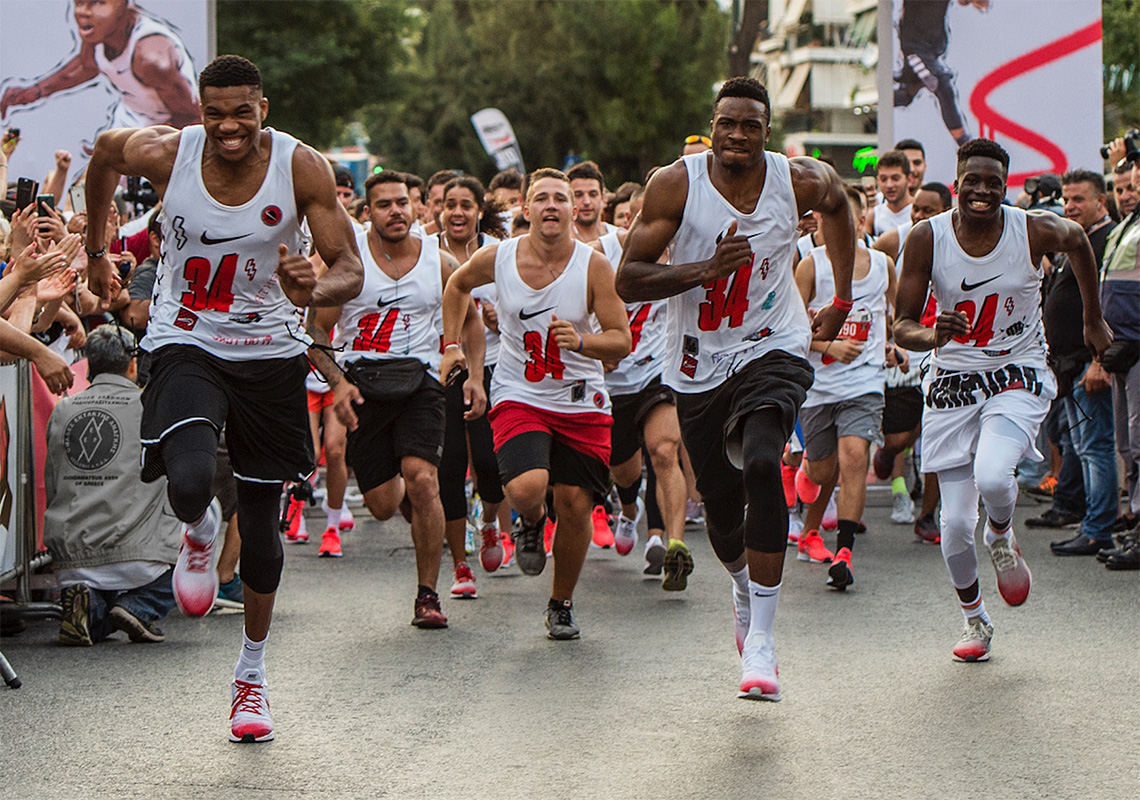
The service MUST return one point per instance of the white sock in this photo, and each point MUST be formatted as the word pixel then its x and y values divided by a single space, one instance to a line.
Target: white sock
pixel 991 536
pixel 334 515
pixel 205 530
pixel 740 586
pixel 252 658
pixel 762 601
pixel 977 608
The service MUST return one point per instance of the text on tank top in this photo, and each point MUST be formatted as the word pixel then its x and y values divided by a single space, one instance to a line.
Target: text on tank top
pixel 718 327
pixel 646 359
pixel 217 279
pixel 143 100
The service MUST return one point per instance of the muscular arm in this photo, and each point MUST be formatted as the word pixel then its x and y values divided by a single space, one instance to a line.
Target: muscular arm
pixel 910 296
pixel 319 326
pixel 332 232
pixel 80 69
pixel 614 342
pixel 156 63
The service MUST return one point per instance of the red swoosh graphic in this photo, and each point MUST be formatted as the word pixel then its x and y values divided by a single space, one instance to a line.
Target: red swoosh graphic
pixel 991 120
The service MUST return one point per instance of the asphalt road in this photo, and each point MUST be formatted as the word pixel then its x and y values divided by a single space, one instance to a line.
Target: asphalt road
pixel 643 705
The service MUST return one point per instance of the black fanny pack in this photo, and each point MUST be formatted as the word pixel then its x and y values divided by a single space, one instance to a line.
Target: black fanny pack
pixel 386 380
pixel 1121 355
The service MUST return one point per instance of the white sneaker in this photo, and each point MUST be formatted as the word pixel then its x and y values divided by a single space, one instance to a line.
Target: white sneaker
pixel 195 581
pixel 249 710
pixel 795 527
pixel 830 519
pixel 759 673
pixel 654 556
pixel 902 511
pixel 741 618
pixel 625 534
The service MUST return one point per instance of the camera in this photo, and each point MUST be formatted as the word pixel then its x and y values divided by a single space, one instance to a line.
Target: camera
pixel 140 192
pixel 1131 147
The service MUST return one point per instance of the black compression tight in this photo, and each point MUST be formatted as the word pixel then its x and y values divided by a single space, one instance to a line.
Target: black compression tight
pixel 191 456
pixel 262 557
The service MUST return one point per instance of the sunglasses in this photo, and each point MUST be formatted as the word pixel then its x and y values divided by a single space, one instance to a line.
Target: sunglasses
pixel 706 141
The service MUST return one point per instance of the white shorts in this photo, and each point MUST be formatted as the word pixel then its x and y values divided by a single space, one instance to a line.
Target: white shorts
pixel 950 430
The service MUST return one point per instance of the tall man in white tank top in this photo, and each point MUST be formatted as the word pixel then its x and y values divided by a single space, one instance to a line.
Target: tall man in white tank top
pixel 225 333
pixel 559 318
pixel 395 442
pixel 739 336
pixel 989 387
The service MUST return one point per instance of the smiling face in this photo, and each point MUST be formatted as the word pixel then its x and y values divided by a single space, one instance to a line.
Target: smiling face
pixel 390 210
pixel 739 132
pixel 1083 204
pixel 460 217
pixel 549 207
pixel 981 188
pixel 892 183
pixel 98 19
pixel 588 199
pixel 232 116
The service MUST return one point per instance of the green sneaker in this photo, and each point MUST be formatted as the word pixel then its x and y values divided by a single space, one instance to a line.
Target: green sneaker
pixel 678 566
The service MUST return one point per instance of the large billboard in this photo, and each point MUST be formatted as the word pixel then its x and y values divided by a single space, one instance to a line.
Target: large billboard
pixel 73 68
pixel 1026 73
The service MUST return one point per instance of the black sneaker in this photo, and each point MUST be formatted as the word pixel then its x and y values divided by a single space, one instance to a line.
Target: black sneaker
pixel 1054 519
pixel 136 629
pixel 529 552
pixel 75 626
pixel 560 622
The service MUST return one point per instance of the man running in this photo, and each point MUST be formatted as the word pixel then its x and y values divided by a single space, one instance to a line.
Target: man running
pixel 589 189
pixel 225 331
pixel 739 335
pixel 989 388
pixel 892 174
pixel 559 318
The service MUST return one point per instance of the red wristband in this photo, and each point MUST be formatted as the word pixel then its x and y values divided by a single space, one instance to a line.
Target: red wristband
pixel 842 305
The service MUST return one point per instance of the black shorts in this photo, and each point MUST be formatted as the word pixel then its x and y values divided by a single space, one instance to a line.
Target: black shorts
pixel 389 431
pixel 261 404
pixel 629 412
pixel 902 412
pixel 710 420
pixel 539 450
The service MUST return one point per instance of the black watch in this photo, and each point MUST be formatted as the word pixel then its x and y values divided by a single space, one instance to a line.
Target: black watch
pixel 97 254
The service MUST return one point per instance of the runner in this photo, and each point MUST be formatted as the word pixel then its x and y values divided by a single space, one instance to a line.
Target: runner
pixel 738 336
pixel 891 173
pixel 589 201
pixel 559 317
pixel 225 331
pixel 989 387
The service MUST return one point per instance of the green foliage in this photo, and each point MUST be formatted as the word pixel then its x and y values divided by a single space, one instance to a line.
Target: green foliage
pixel 1121 25
pixel 320 62
pixel 621 82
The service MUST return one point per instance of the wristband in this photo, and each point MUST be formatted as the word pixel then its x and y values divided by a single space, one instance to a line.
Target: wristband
pixel 578 349
pixel 97 253
pixel 450 345
pixel 842 305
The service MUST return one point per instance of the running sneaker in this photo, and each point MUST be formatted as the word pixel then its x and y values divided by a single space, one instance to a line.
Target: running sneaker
pixel 839 575
pixel 528 546
pixel 491 551
pixel 548 530
pixel 195 581
pixel 811 548
pixel 759 673
pixel 830 519
pixel 902 509
pixel 1013 577
pixel 249 711
pixel 464 586
pixel 694 512
pixel 230 594
pixel 560 622
pixel 508 550
pixel 975 642
pixel 1046 488
pixel 75 624
pixel 428 614
pixel 795 526
pixel 297 532
pixel 347 522
pixel 330 544
pixel 678 566
pixel 603 536
pixel 926 530
pixel 625 533
pixel 788 478
pixel 807 489
pixel 882 466
pixel 654 556
pixel 137 630
pixel 741 618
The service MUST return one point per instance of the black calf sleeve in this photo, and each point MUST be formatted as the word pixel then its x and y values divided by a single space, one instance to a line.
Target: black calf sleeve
pixel 653 517
pixel 724 514
pixel 766 525
pixel 628 494
pixel 191 455
pixel 262 557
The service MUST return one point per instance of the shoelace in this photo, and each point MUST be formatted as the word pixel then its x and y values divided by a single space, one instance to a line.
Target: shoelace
pixel 198 558
pixel 1003 556
pixel 562 616
pixel 527 538
pixel 248 698
pixel 490 538
pixel 974 633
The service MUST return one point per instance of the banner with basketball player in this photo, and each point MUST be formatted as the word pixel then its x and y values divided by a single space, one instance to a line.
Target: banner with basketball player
pixel 74 68
pixel 1025 73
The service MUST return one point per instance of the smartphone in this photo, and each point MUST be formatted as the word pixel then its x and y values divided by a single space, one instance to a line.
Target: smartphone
pixel 43 203
pixel 78 194
pixel 26 190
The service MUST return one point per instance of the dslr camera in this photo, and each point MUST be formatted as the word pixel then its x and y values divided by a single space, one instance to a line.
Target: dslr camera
pixel 1131 147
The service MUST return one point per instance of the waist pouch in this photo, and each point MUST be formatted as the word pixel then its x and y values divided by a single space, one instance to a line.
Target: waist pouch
pixel 387 380
pixel 1121 355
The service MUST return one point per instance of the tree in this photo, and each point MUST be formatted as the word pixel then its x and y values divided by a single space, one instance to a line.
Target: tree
pixel 747 18
pixel 1121 26
pixel 320 62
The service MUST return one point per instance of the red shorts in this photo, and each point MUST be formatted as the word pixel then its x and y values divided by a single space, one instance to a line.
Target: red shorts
pixel 318 401
pixel 588 433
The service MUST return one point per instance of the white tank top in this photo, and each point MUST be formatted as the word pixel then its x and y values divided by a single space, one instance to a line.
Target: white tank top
pixel 885 219
pixel 866 322
pixel 646 359
pixel 144 101
pixel 532 369
pixel 896 378
pixel 716 328
pixel 999 292
pixel 394 318
pixel 804 245
pixel 217 280
pixel 487 293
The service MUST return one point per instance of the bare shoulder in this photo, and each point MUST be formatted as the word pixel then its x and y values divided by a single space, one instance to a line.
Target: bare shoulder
pixel 598 261
pixel 312 173
pixel 666 192
pixel 812 181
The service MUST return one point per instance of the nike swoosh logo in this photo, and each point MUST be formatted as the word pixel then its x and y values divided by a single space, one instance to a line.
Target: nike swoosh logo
pixel 207 240
pixel 382 302
pixel 524 315
pixel 969 287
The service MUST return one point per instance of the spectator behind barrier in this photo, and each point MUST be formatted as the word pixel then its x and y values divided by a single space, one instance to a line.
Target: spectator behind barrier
pixel 113 538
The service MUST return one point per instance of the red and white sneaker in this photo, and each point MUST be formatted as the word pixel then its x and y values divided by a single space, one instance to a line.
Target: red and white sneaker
pixel 759 673
pixel 249 712
pixel 548 532
pixel 347 522
pixel 975 642
pixel 840 576
pixel 508 549
pixel 603 536
pixel 811 548
pixel 625 534
pixel 464 586
pixel 830 519
pixel 806 488
pixel 195 581
pixel 296 533
pixel 1013 577
pixel 330 544
pixel 491 553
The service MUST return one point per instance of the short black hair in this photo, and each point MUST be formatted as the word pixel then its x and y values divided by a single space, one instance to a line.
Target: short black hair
pixel 229 70
pixel 344 177
pixel 413 181
pixel 742 86
pixel 586 171
pixel 441 178
pixel 894 158
pixel 940 189
pixel 983 148
pixel 545 172
pixel 507 179
pixel 910 144
pixel 387 176
pixel 1094 179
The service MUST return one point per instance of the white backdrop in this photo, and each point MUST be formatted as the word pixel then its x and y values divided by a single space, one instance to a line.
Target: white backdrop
pixel 1040 61
pixel 37 37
